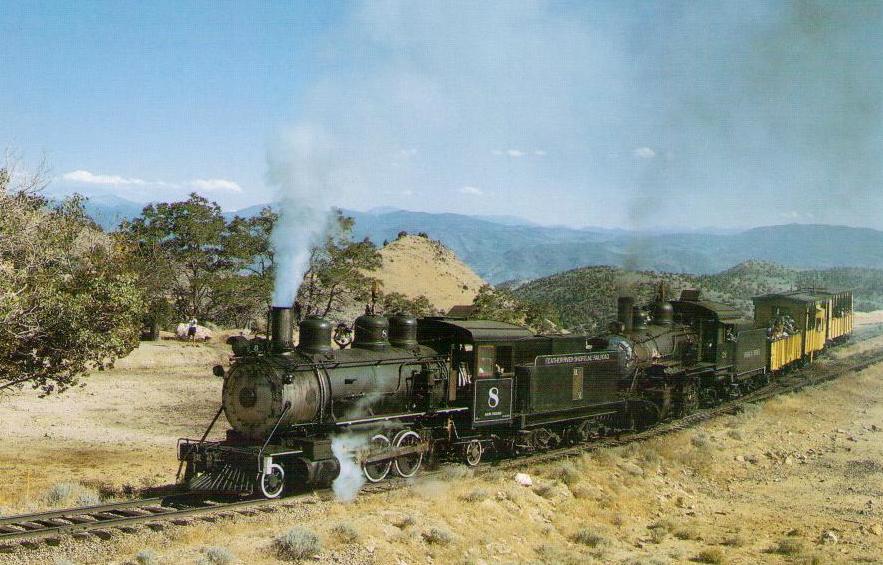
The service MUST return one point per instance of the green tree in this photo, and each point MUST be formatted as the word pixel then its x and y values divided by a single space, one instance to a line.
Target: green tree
pixel 339 269
pixel 68 304
pixel 502 306
pixel 395 302
pixel 190 236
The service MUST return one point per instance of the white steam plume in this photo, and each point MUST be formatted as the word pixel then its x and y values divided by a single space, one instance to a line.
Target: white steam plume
pixel 299 166
pixel 349 482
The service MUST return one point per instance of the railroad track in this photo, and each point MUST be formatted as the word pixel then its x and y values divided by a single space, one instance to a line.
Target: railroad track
pixel 181 509
pixel 104 519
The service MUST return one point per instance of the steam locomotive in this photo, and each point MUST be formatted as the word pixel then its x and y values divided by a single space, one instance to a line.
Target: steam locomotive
pixel 408 389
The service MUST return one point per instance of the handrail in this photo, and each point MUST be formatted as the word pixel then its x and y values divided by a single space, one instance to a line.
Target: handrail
pixel 269 437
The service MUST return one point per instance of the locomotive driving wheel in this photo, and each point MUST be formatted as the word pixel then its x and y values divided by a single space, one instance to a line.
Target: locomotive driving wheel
pixel 376 472
pixel 473 452
pixel 273 483
pixel 407 465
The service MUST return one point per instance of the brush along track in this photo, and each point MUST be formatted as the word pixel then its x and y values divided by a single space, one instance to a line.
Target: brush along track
pixel 182 509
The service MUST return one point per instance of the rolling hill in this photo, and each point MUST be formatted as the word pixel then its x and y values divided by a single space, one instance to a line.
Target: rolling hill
pixel 503 248
pixel 585 298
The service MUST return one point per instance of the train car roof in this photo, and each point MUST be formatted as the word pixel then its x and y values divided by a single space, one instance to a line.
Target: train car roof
pixel 800 296
pixel 717 310
pixel 472 330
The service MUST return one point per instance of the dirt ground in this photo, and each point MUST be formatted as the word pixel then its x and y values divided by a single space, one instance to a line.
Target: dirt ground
pixel 795 480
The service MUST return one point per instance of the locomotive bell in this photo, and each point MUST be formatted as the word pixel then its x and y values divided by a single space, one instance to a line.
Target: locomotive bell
pixel 663 313
pixel 403 330
pixel 371 332
pixel 315 335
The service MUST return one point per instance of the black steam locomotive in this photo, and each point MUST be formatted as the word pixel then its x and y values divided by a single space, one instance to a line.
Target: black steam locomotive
pixel 447 388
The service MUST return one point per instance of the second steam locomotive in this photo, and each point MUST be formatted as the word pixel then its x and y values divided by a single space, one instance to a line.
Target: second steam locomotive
pixel 445 388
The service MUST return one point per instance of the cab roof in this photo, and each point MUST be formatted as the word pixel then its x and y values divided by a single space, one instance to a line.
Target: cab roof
pixel 470 330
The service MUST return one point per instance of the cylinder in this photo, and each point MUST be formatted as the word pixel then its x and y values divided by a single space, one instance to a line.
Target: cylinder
pixel 315 335
pixel 280 328
pixel 403 330
pixel 624 307
pixel 372 332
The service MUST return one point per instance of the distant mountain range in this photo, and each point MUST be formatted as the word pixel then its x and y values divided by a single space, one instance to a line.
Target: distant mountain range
pixel 504 248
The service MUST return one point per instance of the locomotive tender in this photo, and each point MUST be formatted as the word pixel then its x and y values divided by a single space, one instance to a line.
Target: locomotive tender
pixel 453 388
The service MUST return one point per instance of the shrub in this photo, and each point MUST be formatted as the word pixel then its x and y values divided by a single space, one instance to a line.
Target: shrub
pixel 568 474
pixel 438 536
pixel 298 543
pixel 345 532
pixel 687 532
pixel 404 522
pixel 69 494
pixel 218 556
pixel 544 489
pixel 475 495
pixel 587 537
pixel 734 541
pixel 790 546
pixel 711 555
pixel 145 557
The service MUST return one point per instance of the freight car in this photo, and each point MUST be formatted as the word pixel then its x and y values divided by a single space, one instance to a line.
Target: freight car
pixel 448 388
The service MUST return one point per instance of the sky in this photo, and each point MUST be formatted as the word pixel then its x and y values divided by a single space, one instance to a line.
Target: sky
pixel 614 114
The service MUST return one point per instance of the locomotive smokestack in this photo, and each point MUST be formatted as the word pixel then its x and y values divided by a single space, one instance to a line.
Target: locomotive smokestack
pixel 624 306
pixel 280 324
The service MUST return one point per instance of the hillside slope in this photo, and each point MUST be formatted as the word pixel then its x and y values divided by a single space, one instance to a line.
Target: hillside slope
pixel 586 297
pixel 415 266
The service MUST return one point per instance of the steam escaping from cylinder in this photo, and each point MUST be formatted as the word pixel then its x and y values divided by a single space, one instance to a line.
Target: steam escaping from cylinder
pixel 299 166
pixel 345 448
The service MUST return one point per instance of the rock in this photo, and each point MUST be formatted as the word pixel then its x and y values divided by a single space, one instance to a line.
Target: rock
pixel 789 460
pixel 751 458
pixel 876 529
pixel 740 458
pixel 523 479
pixel 202 332
pixel 829 537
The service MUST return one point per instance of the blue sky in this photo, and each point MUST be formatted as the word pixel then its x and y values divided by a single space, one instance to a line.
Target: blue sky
pixel 609 113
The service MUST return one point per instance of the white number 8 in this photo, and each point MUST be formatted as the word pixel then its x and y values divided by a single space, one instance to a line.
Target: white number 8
pixel 493 397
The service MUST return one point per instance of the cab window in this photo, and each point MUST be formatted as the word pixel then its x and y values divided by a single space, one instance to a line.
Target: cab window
pixel 485 358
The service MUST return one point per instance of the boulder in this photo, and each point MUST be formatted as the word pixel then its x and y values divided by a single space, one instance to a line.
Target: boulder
pixel 202 332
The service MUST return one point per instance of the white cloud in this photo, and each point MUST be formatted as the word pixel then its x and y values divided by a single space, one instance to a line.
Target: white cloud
pixel 539 153
pixel 206 185
pixel 87 177
pixel 514 153
pixel 644 153
pixel 214 185
pixel 470 190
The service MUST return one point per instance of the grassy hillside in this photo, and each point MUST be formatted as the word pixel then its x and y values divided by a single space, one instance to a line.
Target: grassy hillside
pixel 586 298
